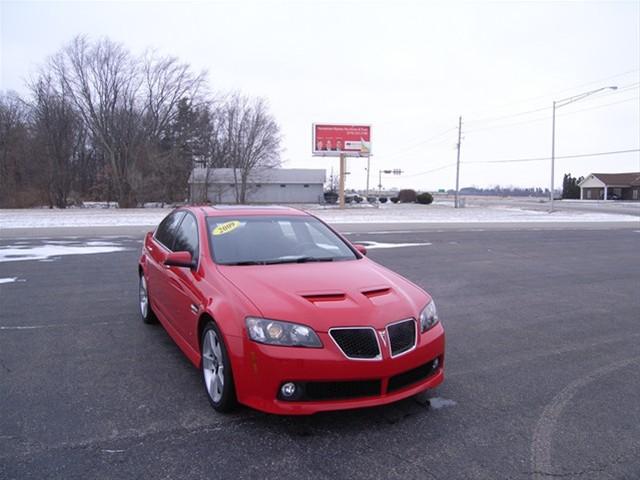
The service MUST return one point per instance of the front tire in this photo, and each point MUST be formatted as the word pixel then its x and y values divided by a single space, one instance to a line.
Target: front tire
pixel 216 370
pixel 146 312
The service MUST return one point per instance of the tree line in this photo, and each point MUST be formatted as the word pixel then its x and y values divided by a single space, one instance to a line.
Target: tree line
pixel 504 191
pixel 100 123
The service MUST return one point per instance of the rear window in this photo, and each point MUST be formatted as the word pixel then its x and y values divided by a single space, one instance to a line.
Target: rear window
pixel 260 240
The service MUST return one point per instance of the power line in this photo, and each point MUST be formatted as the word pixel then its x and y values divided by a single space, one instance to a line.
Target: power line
pixel 624 88
pixel 432 170
pixel 557 92
pixel 545 119
pixel 427 140
pixel 518 160
pixel 517 114
pixel 540 159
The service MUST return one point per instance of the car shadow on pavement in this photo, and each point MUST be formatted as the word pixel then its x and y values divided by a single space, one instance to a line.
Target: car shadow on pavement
pixel 343 421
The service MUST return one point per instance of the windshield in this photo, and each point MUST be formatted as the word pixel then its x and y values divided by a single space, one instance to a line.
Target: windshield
pixel 261 240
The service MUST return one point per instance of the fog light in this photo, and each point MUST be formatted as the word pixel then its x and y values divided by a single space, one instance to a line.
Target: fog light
pixel 435 364
pixel 288 390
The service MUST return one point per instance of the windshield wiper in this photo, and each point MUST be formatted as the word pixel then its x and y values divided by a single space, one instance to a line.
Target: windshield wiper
pixel 246 262
pixel 299 260
pixel 277 261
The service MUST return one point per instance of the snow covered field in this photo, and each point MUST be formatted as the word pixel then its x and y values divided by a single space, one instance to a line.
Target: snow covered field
pixel 387 213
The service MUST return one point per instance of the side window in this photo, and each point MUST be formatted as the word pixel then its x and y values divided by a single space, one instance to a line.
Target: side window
pixel 165 233
pixel 187 236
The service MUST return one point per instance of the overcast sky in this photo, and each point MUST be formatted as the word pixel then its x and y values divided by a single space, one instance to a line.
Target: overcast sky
pixel 408 69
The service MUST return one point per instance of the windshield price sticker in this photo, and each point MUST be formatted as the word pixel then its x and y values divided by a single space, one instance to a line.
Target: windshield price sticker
pixel 226 227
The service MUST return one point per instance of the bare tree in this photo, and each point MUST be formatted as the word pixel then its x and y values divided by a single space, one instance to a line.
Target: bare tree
pixel 15 169
pixel 104 81
pixel 125 102
pixel 59 132
pixel 253 140
pixel 110 125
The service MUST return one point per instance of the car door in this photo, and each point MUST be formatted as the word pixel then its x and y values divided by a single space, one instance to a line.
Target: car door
pixel 183 290
pixel 157 272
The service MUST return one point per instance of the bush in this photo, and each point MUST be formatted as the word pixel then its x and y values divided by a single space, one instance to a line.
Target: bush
pixel 424 198
pixel 382 199
pixel 395 199
pixel 407 196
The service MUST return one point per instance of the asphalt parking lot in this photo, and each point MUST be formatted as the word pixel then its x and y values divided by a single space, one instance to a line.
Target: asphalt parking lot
pixel 542 378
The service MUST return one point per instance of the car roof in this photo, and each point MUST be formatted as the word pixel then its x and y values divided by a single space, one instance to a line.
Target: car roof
pixel 247 210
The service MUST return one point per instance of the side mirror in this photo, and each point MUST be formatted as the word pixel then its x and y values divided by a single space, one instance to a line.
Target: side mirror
pixel 361 249
pixel 180 259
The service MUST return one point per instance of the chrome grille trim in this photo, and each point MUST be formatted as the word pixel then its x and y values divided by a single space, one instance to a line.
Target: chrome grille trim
pixel 415 339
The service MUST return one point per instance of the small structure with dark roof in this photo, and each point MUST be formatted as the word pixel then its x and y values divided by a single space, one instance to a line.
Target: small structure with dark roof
pixel 610 186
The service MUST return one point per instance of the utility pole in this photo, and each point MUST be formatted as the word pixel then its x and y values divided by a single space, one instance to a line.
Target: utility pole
pixel 458 161
pixel 342 173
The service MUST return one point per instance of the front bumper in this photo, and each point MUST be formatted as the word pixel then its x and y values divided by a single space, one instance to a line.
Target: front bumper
pixel 260 370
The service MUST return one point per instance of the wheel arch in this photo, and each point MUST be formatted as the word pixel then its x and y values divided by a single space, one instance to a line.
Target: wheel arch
pixel 202 322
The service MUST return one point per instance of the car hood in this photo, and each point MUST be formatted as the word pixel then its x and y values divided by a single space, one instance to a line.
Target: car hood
pixel 332 294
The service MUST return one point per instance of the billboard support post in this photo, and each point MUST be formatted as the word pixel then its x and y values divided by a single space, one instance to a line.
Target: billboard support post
pixel 368 170
pixel 342 174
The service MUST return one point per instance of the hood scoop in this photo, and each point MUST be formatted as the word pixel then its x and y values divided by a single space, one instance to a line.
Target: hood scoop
pixel 376 292
pixel 324 297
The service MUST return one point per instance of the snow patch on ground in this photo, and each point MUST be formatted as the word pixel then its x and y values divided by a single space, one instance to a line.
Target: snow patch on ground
pixel 437 403
pixel 8 280
pixel 16 253
pixel 387 213
pixel 373 245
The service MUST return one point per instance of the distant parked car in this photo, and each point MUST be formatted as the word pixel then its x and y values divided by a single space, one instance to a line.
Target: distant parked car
pixel 352 198
pixel 281 313
pixel 330 197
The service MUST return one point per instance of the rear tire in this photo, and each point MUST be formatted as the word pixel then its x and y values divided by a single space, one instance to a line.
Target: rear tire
pixel 146 312
pixel 215 368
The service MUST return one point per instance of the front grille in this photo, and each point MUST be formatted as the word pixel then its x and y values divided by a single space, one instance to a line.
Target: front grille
pixel 412 376
pixel 357 343
pixel 402 336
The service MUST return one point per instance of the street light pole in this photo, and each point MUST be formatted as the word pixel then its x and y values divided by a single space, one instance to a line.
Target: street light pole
pixel 558 104
pixel 553 155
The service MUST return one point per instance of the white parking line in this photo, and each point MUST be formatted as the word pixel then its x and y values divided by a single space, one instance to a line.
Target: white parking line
pixel 58 325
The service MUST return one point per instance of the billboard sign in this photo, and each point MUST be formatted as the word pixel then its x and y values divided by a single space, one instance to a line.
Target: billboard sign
pixel 334 140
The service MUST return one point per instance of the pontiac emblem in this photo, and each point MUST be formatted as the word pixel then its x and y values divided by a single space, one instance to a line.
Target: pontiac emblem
pixel 382 336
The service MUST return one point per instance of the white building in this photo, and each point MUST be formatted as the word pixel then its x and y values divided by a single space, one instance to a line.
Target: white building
pixel 276 185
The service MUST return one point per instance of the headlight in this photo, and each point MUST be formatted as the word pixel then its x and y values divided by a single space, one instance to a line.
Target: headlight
pixel 273 332
pixel 428 317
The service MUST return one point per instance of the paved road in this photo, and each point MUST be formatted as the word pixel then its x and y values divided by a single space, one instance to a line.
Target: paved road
pixel 543 369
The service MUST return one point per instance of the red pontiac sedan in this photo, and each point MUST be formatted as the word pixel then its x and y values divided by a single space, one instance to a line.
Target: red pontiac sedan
pixel 283 314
